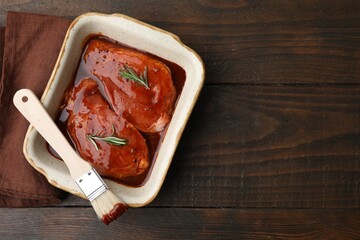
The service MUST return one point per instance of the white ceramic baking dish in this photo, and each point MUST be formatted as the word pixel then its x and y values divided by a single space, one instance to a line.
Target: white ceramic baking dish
pixel 139 35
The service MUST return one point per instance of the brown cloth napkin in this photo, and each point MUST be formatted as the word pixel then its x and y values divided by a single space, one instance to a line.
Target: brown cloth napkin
pixel 31 44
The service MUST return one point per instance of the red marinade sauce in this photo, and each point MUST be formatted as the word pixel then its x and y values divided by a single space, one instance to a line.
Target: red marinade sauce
pixel 117 211
pixel 153 140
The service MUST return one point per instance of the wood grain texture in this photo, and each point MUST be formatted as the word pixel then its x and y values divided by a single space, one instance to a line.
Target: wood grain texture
pixel 244 41
pixel 289 147
pixel 81 223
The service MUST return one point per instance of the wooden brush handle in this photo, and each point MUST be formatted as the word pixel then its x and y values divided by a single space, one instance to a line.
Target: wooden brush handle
pixel 32 109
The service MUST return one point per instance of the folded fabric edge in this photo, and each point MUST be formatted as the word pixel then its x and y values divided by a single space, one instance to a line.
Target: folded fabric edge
pixel 11 202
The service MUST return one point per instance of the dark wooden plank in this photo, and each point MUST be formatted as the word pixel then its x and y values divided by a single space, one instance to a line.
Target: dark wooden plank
pixel 81 223
pixel 245 41
pixel 267 146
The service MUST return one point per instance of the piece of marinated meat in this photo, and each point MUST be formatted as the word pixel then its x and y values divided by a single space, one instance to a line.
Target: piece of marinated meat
pixel 149 109
pixel 90 114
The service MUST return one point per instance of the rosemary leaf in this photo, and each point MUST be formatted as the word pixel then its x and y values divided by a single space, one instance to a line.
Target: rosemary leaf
pixel 130 74
pixel 112 140
pixel 92 141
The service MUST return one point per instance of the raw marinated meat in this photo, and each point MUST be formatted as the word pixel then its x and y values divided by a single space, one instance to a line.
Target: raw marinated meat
pixel 149 107
pixel 90 115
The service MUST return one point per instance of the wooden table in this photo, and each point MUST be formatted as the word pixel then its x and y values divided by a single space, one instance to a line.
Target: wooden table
pixel 272 147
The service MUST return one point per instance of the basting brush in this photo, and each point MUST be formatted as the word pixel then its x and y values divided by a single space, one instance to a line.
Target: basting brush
pixel 106 205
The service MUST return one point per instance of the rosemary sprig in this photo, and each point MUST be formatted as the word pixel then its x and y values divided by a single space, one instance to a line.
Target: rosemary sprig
pixel 130 74
pixel 112 140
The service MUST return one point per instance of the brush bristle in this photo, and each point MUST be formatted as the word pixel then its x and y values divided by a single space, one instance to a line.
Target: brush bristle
pixel 108 207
